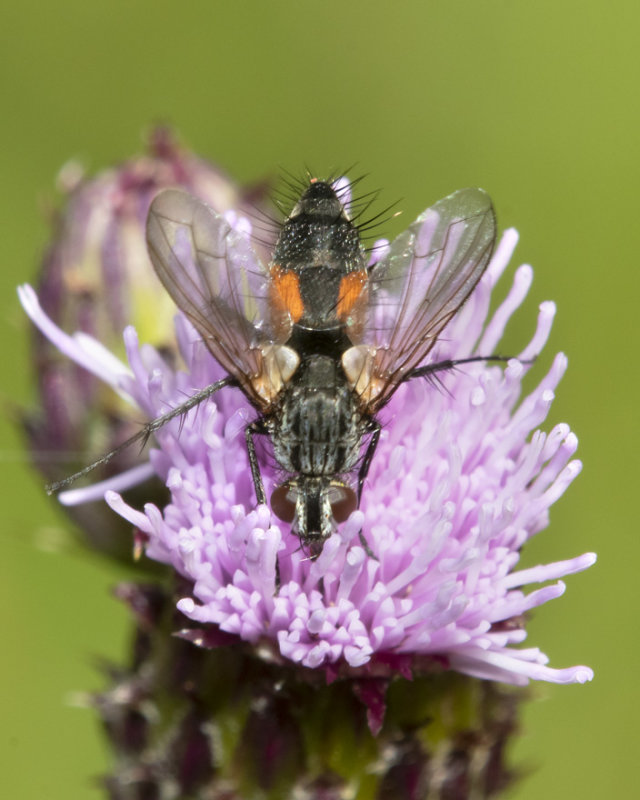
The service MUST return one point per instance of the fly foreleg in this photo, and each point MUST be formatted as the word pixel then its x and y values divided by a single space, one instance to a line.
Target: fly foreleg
pixel 258 428
pixel 374 429
pixel 255 428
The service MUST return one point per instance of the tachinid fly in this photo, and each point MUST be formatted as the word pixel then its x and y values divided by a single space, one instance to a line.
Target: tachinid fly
pixel 318 341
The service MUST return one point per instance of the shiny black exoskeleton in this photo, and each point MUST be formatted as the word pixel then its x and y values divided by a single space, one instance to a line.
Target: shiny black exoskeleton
pixel 317 426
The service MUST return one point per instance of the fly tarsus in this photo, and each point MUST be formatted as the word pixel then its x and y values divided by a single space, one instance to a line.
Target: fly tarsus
pixel 144 434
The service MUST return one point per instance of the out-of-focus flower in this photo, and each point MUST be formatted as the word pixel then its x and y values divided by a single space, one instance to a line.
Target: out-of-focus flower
pixel 96 278
pixel 460 481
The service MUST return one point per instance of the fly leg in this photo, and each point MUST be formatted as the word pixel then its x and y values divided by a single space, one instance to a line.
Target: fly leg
pixel 451 363
pixel 257 428
pixel 374 429
pixel 253 429
pixel 145 433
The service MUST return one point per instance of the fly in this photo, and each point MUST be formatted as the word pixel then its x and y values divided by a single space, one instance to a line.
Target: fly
pixel 317 340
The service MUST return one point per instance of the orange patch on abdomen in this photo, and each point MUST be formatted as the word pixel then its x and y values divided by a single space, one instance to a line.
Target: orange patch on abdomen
pixel 351 291
pixel 286 292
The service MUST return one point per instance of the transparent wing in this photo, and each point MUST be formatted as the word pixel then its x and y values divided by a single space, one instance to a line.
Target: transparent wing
pixel 428 273
pixel 217 281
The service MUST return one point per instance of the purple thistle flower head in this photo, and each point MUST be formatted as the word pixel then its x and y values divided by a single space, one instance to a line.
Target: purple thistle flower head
pixel 461 479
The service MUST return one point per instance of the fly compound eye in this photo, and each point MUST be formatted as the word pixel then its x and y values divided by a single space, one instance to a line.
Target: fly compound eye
pixel 283 502
pixel 343 501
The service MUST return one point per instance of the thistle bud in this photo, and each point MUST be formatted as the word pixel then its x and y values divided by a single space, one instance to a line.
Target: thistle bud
pixel 96 277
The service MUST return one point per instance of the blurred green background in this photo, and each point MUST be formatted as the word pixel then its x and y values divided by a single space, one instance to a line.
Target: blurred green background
pixel 536 102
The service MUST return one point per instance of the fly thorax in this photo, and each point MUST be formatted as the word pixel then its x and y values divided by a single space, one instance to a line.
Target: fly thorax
pixel 318 429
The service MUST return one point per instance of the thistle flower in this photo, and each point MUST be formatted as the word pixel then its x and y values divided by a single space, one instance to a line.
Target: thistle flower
pixel 461 480
pixel 96 278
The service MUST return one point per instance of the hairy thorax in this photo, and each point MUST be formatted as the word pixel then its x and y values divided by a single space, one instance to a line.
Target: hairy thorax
pixel 319 427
